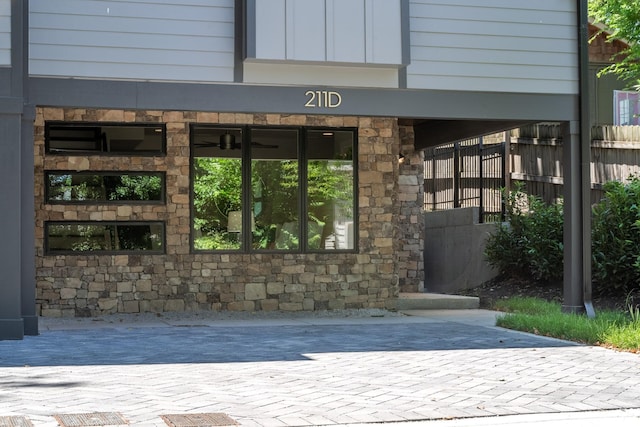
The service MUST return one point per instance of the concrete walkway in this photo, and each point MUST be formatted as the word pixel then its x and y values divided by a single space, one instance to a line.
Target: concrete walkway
pixel 429 368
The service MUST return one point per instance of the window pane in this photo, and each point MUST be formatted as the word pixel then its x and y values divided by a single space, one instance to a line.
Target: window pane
pixel 107 237
pixel 217 188
pixel 330 190
pixel 74 139
pixel 274 185
pixel 104 187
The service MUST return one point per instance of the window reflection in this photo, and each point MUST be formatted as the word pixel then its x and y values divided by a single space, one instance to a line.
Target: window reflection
pixel 104 237
pixel 275 193
pixel 81 138
pixel 330 190
pixel 298 189
pixel 77 187
pixel 217 189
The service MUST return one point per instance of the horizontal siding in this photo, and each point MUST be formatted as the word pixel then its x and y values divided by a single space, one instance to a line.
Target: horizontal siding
pixel 5 32
pixel 494 45
pixel 180 40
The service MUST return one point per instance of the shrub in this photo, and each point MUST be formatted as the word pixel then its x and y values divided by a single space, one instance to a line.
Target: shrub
pixel 616 238
pixel 530 244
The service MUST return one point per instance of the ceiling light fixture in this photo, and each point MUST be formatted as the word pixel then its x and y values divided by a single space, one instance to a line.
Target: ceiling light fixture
pixel 227 141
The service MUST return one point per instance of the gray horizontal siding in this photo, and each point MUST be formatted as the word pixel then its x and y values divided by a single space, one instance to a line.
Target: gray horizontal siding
pixel 182 40
pixel 494 45
pixel 5 32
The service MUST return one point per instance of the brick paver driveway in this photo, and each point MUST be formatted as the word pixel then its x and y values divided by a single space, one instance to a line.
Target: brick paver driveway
pixel 308 372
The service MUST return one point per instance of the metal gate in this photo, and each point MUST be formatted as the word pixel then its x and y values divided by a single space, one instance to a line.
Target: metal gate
pixel 466 174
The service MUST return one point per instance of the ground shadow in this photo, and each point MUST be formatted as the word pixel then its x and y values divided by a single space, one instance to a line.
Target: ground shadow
pixel 202 344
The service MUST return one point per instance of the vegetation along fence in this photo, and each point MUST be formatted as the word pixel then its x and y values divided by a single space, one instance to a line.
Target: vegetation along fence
pixel 471 173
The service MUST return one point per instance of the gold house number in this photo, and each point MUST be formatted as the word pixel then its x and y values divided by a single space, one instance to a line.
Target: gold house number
pixel 322 99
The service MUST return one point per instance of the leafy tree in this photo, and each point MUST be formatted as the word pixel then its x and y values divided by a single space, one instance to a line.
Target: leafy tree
pixel 105 187
pixel 621 19
pixel 217 191
pixel 133 187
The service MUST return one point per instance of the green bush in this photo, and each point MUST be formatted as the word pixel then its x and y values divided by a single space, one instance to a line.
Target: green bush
pixel 616 238
pixel 530 243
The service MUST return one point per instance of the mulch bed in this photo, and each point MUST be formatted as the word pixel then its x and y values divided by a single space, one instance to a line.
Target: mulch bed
pixel 505 287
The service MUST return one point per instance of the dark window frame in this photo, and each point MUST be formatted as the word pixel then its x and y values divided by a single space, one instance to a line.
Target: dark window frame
pixel 48 251
pixel 246 246
pixel 161 201
pixel 94 126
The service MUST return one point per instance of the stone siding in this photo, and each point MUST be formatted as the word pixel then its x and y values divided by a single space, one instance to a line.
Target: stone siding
pixel 181 280
pixel 411 203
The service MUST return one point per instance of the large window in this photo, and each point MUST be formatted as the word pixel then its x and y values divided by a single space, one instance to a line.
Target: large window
pixel 273 189
pixel 626 108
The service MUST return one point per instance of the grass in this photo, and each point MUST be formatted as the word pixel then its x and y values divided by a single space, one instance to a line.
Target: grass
pixel 615 329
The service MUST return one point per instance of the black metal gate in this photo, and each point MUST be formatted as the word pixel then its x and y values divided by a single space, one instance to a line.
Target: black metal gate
pixel 466 174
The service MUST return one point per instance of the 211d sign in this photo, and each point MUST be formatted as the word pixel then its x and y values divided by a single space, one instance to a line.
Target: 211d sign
pixel 322 99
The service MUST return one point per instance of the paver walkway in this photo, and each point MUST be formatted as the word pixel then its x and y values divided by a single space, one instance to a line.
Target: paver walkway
pixel 308 371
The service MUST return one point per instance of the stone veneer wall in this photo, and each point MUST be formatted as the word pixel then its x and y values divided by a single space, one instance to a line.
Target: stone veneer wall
pixel 411 200
pixel 89 285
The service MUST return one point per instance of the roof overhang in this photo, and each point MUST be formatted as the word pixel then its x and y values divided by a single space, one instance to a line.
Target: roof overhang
pixel 429 133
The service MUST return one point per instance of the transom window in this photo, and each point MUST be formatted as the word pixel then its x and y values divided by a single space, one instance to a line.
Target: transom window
pixel 68 138
pixel 103 236
pixel 104 187
pixel 273 189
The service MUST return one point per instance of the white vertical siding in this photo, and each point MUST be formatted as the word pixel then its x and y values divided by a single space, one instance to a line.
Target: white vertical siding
pixel 185 40
pixel 365 32
pixel 271 29
pixel 345 31
pixel 384 35
pixel 306 31
pixel 494 45
pixel 5 32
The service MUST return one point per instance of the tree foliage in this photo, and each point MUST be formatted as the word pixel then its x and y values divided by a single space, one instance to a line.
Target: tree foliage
pixel 621 19
pixel 217 191
pixel 128 187
pixel 530 245
pixel 217 188
pixel 616 237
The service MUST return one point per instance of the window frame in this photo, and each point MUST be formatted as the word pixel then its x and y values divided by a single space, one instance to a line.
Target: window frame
pixel 161 174
pixel 302 159
pixel 102 152
pixel 48 251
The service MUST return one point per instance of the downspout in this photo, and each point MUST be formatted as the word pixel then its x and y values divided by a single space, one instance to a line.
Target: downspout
pixel 585 150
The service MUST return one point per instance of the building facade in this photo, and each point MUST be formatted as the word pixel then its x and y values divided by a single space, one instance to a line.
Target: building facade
pixel 250 154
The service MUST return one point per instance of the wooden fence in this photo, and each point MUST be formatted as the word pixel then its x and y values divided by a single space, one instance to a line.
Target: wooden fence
pixel 461 178
pixel 536 158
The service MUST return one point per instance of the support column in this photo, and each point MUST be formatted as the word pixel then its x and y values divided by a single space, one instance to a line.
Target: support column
pixel 577 186
pixel 577 221
pixel 11 322
pixel 17 215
